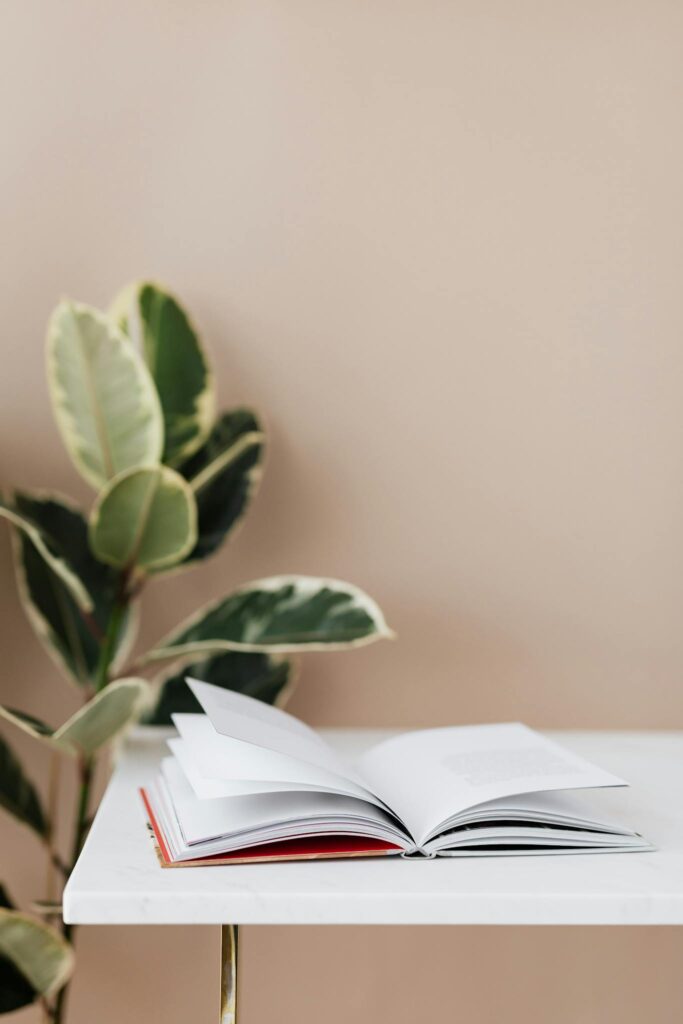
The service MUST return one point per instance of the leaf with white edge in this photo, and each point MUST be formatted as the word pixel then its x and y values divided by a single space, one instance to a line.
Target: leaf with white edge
pixel 261 676
pixel 45 549
pixel 146 517
pixel 35 960
pixel 102 718
pixel 71 638
pixel 158 325
pixel 91 726
pixel 284 613
pixel 103 396
pixel 224 475
pixel 18 795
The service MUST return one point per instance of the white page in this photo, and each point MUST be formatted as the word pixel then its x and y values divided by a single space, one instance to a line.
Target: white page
pixel 252 721
pixel 432 774
pixel 229 760
pixel 201 820
pixel 211 789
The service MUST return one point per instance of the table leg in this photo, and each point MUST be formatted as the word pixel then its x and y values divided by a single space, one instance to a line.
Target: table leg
pixel 228 974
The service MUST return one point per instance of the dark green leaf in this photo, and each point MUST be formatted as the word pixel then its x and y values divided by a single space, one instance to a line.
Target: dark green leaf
pixel 70 636
pixel 34 960
pixel 285 613
pixel 5 900
pixel 256 675
pixel 224 475
pixel 15 990
pixel 17 794
pixel 156 322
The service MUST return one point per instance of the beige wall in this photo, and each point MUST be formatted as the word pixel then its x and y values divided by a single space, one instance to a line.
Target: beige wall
pixel 440 244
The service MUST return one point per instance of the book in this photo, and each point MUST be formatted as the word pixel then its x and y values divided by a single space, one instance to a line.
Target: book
pixel 246 782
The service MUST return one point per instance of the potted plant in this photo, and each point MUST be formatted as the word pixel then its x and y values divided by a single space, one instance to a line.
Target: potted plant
pixel 134 400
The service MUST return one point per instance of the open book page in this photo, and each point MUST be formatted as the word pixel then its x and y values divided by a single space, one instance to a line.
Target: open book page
pixel 267 817
pixel 222 759
pixel 251 721
pixel 429 776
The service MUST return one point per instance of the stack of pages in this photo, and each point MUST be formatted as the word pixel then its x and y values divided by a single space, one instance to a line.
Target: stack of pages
pixel 248 782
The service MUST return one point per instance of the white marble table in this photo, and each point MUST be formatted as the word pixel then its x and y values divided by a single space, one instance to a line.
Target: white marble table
pixel 118 879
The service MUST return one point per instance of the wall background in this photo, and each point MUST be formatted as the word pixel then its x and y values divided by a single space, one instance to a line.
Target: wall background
pixel 440 244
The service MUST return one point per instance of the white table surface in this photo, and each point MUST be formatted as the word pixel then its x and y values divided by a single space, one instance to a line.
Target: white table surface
pixel 118 879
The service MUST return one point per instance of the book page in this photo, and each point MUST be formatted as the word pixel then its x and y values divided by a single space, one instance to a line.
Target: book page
pixel 428 776
pixel 251 721
pixel 225 759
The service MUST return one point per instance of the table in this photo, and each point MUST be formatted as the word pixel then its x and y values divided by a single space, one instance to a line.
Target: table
pixel 118 880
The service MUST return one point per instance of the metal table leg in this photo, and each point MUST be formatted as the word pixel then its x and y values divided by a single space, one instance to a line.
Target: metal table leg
pixel 229 974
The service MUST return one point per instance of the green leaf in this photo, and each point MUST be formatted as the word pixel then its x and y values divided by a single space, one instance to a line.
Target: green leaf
pixel 285 613
pixel 146 517
pixel 5 900
pixel 156 322
pixel 91 726
pixel 103 717
pixel 17 793
pixel 257 675
pixel 103 396
pixel 45 549
pixel 224 475
pixel 34 960
pixel 71 638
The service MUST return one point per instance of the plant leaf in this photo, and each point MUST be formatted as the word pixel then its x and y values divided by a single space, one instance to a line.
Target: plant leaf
pixel 257 675
pixel 145 517
pixel 102 717
pixel 156 322
pixel 284 613
pixel 91 726
pixel 17 793
pixel 224 475
pixel 45 549
pixel 5 900
pixel 34 960
pixel 103 396
pixel 71 638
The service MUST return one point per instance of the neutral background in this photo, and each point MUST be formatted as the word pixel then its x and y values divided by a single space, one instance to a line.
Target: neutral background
pixel 440 244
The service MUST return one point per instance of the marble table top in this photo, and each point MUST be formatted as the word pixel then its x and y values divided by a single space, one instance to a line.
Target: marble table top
pixel 118 879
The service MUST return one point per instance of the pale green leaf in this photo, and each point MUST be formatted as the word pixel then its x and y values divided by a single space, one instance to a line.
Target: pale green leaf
pixel 103 717
pixel 91 726
pixel 40 954
pixel 157 324
pixel 70 636
pixel 146 517
pixel 284 613
pixel 17 793
pixel 103 396
pixel 48 552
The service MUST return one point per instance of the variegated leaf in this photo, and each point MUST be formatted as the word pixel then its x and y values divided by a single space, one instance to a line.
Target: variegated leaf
pixel 284 613
pixel 71 637
pixel 103 396
pixel 18 795
pixel 224 475
pixel 35 960
pixel 158 325
pixel 146 517
pixel 93 725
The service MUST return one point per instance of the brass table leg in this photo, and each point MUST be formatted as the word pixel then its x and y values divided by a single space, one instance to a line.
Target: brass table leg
pixel 228 974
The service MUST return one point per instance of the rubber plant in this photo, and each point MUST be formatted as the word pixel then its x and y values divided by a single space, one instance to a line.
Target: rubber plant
pixel 134 401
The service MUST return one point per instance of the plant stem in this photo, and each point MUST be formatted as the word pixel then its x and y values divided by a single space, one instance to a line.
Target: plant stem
pixel 53 794
pixel 86 767
pixel 86 764
pixel 109 645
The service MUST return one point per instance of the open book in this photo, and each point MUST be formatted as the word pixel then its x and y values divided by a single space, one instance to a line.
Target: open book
pixel 248 782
